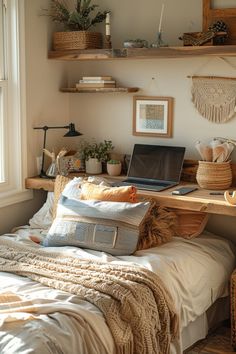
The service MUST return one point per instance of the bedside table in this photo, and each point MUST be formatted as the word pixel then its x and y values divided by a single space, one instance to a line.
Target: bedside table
pixel 233 308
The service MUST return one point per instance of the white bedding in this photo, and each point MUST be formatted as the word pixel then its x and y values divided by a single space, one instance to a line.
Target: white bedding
pixel 196 273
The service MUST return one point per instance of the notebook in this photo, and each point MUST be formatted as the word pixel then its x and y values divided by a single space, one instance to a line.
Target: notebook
pixel 154 167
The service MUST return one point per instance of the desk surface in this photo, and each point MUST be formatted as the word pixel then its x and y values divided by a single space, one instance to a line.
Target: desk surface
pixel 199 200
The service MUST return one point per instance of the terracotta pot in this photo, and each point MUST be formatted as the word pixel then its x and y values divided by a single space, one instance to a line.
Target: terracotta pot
pixel 214 175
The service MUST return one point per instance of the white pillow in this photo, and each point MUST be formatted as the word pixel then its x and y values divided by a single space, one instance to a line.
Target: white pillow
pixel 43 218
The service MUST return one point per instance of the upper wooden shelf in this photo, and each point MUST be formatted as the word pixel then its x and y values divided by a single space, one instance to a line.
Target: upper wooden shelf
pixel 143 53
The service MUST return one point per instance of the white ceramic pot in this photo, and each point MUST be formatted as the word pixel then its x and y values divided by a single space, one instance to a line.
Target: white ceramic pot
pixel 114 169
pixel 93 166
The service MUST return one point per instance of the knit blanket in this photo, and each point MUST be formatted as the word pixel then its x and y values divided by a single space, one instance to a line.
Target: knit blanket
pixel 134 301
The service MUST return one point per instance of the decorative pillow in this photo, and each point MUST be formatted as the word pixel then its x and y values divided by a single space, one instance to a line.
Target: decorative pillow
pixel 43 218
pixel 90 191
pixel 158 227
pixel 118 228
pixel 190 223
pixel 59 185
pixel 112 227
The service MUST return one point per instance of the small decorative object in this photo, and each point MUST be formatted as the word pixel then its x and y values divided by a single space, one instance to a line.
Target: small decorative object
pixel 76 24
pixel 135 43
pixel 114 167
pixel 95 82
pixel 152 116
pixel 70 134
pixel 221 32
pixel 214 172
pixel 107 43
pixel 216 34
pixel 212 13
pixel 231 199
pixel 160 42
pixel 71 163
pixel 214 97
pixel 52 170
pixel 94 154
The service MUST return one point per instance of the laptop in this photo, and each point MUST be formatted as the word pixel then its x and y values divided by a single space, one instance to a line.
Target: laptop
pixel 154 167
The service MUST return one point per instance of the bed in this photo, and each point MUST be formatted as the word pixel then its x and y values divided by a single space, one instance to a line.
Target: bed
pixel 46 320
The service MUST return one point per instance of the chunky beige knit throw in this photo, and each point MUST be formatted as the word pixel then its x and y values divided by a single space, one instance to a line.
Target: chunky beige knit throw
pixel 214 98
pixel 135 303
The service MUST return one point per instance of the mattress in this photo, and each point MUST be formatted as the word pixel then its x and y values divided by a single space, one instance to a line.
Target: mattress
pixel 196 272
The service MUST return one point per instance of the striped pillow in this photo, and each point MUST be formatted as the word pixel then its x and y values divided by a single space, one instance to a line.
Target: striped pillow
pixel 112 227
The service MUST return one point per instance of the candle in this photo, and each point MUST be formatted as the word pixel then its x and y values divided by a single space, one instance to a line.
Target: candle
pixel 161 17
pixel 108 29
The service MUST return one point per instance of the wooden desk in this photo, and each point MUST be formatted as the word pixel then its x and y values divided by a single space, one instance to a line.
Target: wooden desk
pixel 199 200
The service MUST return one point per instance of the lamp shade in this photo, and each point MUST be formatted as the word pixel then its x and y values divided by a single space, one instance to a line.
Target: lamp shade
pixel 72 131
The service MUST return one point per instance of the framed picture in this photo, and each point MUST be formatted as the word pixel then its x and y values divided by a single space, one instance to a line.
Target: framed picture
pixel 152 116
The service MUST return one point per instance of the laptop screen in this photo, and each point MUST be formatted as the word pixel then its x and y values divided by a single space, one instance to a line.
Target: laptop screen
pixel 156 162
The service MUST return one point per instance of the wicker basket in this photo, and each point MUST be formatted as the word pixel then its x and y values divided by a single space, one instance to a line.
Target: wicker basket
pixel 213 175
pixel 77 40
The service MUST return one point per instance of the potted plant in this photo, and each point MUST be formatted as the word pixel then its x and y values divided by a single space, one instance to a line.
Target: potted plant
pixel 76 24
pixel 114 167
pixel 94 154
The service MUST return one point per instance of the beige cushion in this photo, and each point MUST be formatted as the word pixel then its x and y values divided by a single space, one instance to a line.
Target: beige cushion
pixel 90 191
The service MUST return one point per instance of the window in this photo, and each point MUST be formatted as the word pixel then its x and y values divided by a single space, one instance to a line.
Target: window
pixel 12 103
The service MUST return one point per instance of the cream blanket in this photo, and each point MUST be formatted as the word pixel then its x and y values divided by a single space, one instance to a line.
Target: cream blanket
pixel 134 301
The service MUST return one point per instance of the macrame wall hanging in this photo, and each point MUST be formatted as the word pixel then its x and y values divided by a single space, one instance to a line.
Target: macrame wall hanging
pixel 214 97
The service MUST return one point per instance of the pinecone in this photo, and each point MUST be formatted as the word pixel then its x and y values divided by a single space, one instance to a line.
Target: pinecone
pixel 218 26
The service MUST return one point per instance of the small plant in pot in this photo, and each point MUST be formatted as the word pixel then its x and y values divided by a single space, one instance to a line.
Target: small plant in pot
pixel 114 167
pixel 77 23
pixel 95 154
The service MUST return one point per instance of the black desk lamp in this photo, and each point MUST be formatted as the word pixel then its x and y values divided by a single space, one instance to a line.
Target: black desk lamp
pixel 71 133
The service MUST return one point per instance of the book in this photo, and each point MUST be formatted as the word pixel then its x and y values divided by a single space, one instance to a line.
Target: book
pixel 97 81
pixel 94 85
pixel 97 77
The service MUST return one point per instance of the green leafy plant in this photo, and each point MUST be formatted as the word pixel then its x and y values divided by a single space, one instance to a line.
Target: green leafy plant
pixel 114 162
pixel 98 151
pixel 80 18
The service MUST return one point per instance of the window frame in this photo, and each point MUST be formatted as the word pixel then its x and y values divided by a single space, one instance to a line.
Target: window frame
pixel 13 120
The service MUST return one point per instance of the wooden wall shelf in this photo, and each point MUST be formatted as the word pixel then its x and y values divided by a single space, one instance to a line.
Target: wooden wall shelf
pixel 143 53
pixel 101 90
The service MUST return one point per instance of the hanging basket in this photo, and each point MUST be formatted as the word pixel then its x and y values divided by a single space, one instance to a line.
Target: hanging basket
pixel 214 175
pixel 77 40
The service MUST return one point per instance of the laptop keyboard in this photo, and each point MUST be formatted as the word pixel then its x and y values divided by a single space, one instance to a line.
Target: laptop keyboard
pixel 147 183
pixel 148 187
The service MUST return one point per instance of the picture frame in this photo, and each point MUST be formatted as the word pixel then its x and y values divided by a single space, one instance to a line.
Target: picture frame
pixel 153 116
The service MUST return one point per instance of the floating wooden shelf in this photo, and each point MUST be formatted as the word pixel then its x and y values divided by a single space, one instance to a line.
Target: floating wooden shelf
pixel 143 53
pixel 101 90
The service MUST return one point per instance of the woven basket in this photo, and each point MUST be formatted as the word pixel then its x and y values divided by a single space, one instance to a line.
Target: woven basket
pixel 77 40
pixel 213 175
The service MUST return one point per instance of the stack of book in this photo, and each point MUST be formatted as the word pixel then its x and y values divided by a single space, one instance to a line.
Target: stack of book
pixel 92 82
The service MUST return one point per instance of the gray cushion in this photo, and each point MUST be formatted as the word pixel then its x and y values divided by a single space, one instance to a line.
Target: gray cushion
pixel 112 227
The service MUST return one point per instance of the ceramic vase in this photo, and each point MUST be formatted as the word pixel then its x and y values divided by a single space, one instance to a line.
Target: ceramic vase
pixel 93 166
